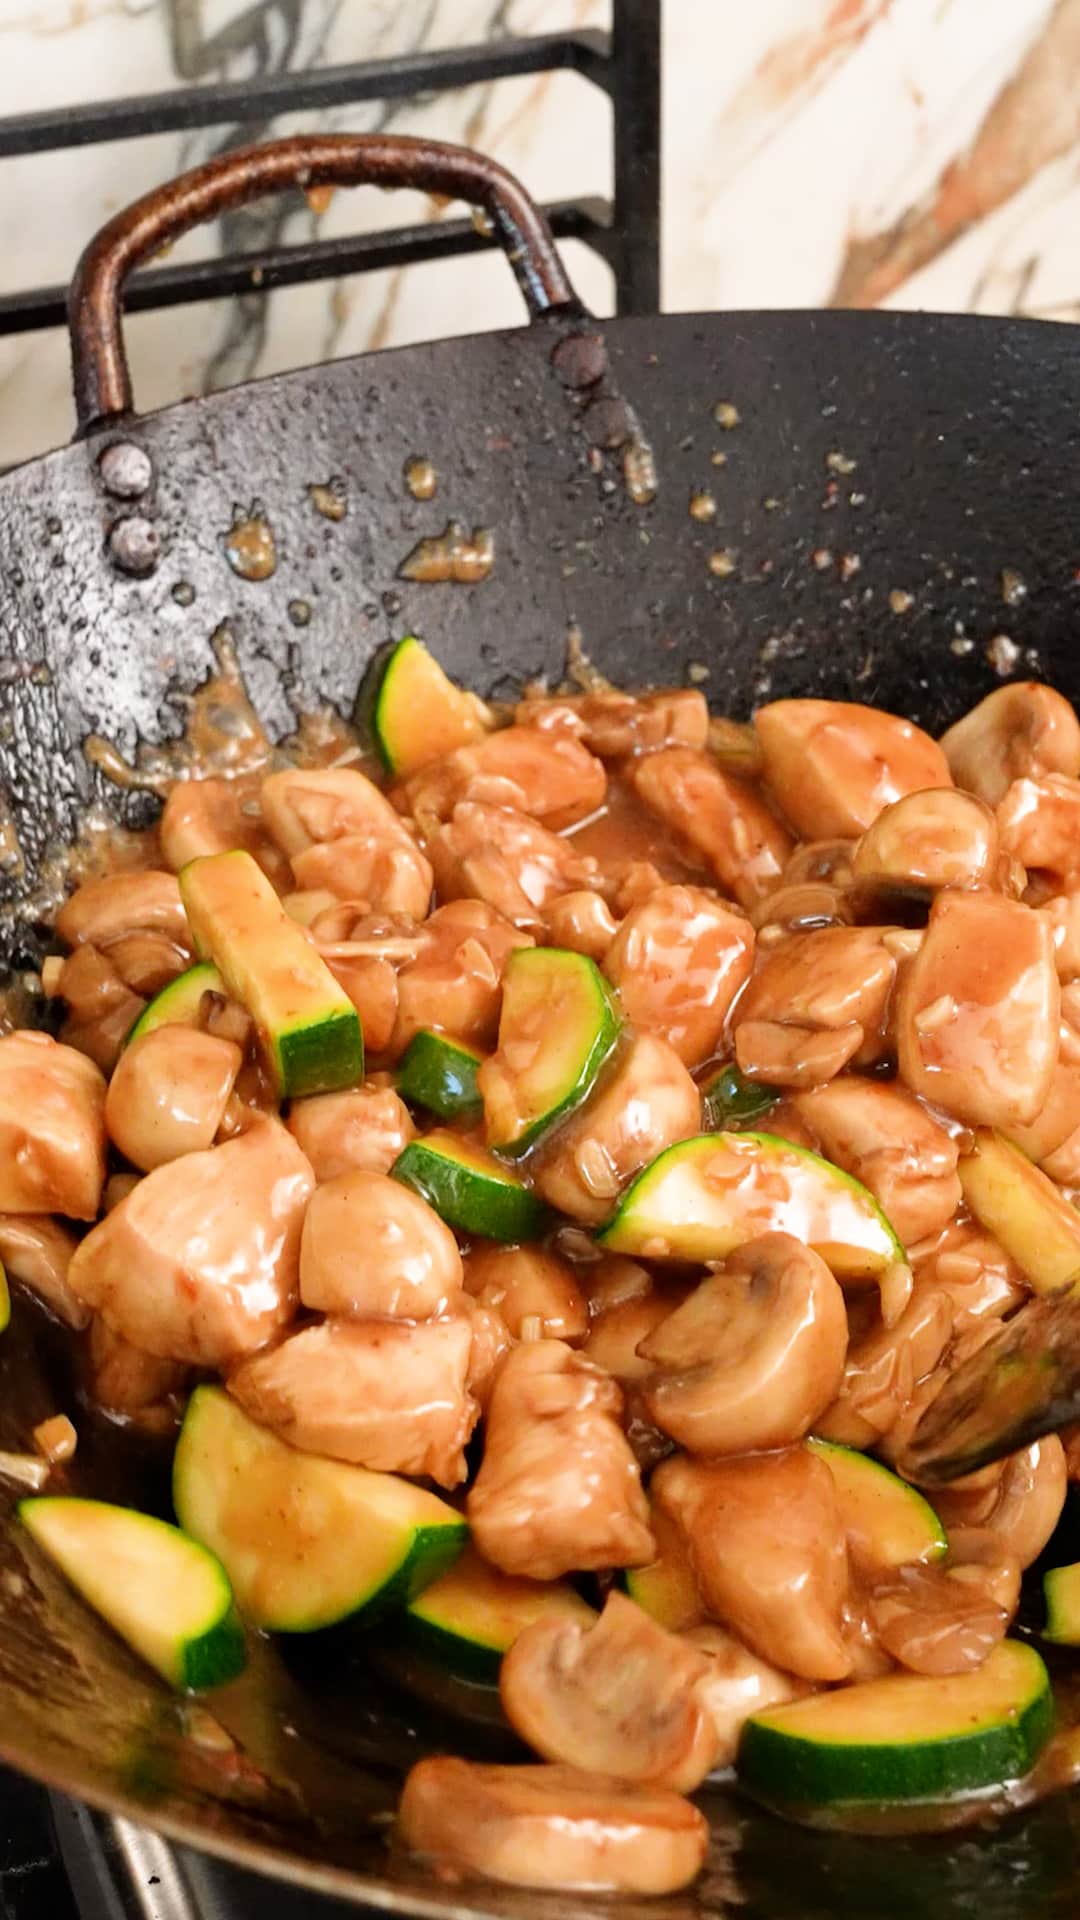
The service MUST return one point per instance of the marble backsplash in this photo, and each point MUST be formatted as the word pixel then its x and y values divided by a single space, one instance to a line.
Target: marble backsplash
pixel 915 153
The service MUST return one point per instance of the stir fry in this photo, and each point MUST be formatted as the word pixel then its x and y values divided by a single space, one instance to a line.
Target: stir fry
pixel 568 1180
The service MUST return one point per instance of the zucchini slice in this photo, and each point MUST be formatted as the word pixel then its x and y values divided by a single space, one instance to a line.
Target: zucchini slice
pixel 470 1189
pixel 557 1027
pixel 416 713
pixel 161 1592
pixel 887 1521
pixel 1020 1205
pixel 308 1026
pixel 306 1542
pixel 470 1616
pixel 729 1100
pixel 439 1073
pixel 905 1737
pixel 1061 1591
pixel 666 1589
pixel 704 1197
pixel 177 1005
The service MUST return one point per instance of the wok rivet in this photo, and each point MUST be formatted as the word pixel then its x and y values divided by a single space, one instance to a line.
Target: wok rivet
pixel 580 360
pixel 135 545
pixel 125 470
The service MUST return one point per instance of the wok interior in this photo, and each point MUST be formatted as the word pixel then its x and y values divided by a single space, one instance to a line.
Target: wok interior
pixel 959 434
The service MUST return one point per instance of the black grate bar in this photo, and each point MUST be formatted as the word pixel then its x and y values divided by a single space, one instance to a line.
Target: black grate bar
pixel 589 220
pixel 587 52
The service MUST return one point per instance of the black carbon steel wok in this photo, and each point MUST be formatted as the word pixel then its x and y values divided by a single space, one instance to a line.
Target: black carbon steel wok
pixel 965 439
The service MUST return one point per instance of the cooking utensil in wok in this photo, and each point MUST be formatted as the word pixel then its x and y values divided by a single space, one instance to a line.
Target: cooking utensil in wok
pixel 861 485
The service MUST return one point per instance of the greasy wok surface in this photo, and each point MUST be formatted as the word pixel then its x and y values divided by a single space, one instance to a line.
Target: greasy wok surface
pixel 961 434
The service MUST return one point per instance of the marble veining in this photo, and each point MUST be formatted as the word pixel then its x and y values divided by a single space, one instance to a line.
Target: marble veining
pixel 912 153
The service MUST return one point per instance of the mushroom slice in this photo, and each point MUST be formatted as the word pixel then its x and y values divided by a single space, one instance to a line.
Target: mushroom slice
pixel 618 1696
pixel 552 1827
pixel 755 1354
pixel 738 1683
pixel 1020 731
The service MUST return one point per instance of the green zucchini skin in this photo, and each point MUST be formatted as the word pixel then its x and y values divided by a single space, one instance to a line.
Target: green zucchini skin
pixel 411 710
pixel 543 976
pixel 492 1203
pixel 439 1074
pixel 178 1003
pixel 730 1101
pixel 1061 1591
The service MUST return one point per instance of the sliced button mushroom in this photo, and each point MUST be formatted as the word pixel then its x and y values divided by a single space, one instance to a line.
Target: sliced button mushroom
pixel 371 1247
pixel 645 1101
pixel 558 1488
pixel 617 1696
pixel 1020 731
pixel 551 1827
pixel 766 1540
pixel 616 1335
pixel 363 1127
pixel 833 765
pixel 947 1617
pixel 1022 1503
pixel 535 1293
pixel 168 1094
pixel 215 816
pixel 744 843
pixel 52 1128
pixel 938 837
pixel 978 1011
pixel 101 910
pixel 679 960
pixel 754 1356
pixel 546 774
pixel 883 1136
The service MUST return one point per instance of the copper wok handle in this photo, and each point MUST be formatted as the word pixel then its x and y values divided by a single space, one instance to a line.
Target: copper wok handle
pixel 99 363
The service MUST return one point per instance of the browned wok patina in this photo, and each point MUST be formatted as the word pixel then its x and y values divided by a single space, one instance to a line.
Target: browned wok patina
pixel 883 473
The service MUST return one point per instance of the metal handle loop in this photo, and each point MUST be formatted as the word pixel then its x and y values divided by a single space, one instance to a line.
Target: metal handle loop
pixel 100 372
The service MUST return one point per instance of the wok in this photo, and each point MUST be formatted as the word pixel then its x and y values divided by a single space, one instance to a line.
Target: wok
pixel 875 455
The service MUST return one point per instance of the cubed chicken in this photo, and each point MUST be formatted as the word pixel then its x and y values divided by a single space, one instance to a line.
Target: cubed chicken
pixel 52 1128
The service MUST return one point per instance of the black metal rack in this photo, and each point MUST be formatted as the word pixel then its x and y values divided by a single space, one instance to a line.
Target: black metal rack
pixel 625 230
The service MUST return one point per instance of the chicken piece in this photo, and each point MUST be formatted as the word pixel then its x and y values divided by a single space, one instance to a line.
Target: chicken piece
pixel 90 985
pixel 506 859
pixel 644 1102
pixel 52 1128
pixel 678 961
pixel 817 1001
pixel 372 1248
pixel 766 1540
pixel 146 960
pixel 1053 1138
pixel 383 1395
pixel 214 816
pixel 617 1333
pixel 935 838
pixel 1039 823
pixel 978 1011
pixel 130 1384
pixel 744 843
pixel 883 1136
pixel 832 765
pixel 535 1293
pixel 305 806
pixel 454 984
pixel 372 986
pixel 1019 1498
pixel 755 1354
pixel 37 1252
pixel 200 1262
pixel 974 1270
pixel 885 1368
pixel 558 1489
pixel 168 1094
pixel 548 775
pixel 614 725
pixel 491 1342
pixel 582 921
pixel 100 911
pixel 1018 732
pixel 363 1127
pixel 1063 914
pixel 551 1827
pixel 617 1695
pixel 385 873
pixel 737 1684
